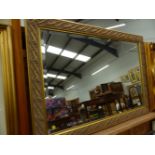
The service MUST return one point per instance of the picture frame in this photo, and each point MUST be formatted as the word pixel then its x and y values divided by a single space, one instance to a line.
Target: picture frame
pixel 135 94
pixel 133 91
pixel 137 72
pixel 132 75
pixel 36 81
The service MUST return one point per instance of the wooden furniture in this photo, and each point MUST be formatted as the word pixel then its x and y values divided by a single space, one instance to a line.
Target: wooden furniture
pixel 105 100
pixel 112 87
pixel 139 125
pixel 17 102
pixel 92 94
pixel 105 88
pixel 91 110
pixel 22 97
pixel 75 104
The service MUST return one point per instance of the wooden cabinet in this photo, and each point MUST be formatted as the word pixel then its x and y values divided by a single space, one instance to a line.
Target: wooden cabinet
pixel 105 88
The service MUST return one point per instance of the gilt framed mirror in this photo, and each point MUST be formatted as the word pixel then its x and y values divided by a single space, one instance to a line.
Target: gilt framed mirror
pixel 83 78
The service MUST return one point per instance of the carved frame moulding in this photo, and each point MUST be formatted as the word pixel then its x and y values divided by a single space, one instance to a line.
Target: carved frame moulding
pixel 36 85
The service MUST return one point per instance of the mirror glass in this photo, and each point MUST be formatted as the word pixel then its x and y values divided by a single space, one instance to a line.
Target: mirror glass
pixel 88 78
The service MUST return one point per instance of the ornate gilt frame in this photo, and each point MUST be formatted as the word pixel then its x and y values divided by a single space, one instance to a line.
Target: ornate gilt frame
pixel 6 56
pixel 36 85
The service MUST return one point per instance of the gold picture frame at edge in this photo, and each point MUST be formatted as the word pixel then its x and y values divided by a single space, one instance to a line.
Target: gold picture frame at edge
pixel 6 54
pixel 130 72
pixel 137 73
pixel 33 27
pixel 143 75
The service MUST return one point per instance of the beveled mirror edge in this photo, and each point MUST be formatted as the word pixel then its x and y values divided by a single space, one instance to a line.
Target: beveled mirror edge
pixel 35 69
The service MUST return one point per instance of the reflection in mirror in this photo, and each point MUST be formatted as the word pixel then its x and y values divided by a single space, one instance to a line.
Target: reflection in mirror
pixel 87 78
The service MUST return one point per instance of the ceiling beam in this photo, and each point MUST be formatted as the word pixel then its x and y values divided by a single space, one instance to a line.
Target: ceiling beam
pixel 93 56
pixel 48 39
pixel 111 50
pixel 79 52
pixel 66 72
pixel 69 62
pixel 88 42
pixel 55 60
pixel 81 65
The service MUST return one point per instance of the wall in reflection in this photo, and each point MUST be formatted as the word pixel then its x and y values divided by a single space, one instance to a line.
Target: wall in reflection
pixel 117 67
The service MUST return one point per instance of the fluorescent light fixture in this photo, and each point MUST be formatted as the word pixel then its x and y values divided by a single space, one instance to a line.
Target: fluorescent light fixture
pixel 51 75
pixel 54 50
pixel 70 87
pixel 61 77
pixel 106 66
pixel 83 58
pixel 50 87
pixel 133 48
pixel 68 54
pixel 54 96
pixel 116 26
pixel 45 76
pixel 43 49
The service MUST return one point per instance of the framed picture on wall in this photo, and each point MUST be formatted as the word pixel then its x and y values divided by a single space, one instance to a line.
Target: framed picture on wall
pixel 133 91
pixel 137 72
pixel 132 75
pixel 135 94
